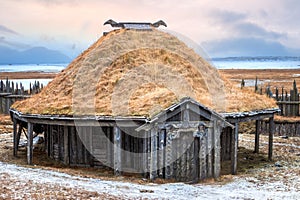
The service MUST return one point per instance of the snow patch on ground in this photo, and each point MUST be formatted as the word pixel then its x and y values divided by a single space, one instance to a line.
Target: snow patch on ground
pixel 239 188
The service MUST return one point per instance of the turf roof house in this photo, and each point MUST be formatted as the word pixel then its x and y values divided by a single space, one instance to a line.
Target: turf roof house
pixel 140 100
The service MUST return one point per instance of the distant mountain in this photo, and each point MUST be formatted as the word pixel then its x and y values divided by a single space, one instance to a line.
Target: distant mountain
pixel 36 55
pixel 253 47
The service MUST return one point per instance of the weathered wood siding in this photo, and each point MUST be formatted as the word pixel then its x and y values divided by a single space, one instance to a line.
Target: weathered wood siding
pixel 178 155
pixel 291 129
pixel 174 149
pixel 226 141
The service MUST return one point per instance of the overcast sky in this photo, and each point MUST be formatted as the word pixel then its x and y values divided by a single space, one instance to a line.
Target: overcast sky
pixel 223 28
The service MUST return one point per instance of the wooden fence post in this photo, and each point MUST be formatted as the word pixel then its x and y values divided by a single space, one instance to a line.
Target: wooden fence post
pixel 271 134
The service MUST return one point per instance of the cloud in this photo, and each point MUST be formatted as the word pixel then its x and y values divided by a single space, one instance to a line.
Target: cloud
pixel 14 44
pixel 226 16
pixel 251 29
pixel 4 29
pixel 245 46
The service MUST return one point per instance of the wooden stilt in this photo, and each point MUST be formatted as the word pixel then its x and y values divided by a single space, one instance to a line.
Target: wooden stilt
pixel 234 148
pixel 257 132
pixel 29 143
pixel 117 151
pixel 271 134
pixel 15 126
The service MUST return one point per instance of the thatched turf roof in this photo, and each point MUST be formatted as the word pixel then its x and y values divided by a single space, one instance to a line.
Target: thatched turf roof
pixel 138 73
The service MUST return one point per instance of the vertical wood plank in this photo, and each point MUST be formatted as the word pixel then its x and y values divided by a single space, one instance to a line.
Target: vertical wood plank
pixel 179 157
pixel 78 149
pixel 144 162
pixel 48 139
pixel 117 151
pixel 90 148
pixel 234 147
pixel 153 161
pixel 271 134
pixel 202 157
pixel 209 150
pixel 216 137
pixel 196 159
pixel 29 143
pixel 148 152
pixel 161 152
pixel 183 166
pixel 51 141
pixel 168 159
pixel 108 147
pixel 66 146
pixel 257 132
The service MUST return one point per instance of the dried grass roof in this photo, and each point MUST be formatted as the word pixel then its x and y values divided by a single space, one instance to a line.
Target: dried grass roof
pixel 138 73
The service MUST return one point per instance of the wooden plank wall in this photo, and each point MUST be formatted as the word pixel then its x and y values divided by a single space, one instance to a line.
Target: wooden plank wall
pixel 93 146
pixel 162 153
pixel 288 103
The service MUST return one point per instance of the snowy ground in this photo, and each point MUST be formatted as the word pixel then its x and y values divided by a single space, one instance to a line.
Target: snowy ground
pixel 239 188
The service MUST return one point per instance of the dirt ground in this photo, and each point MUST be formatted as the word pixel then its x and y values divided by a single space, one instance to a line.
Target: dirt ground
pixel 26 75
pixel 266 77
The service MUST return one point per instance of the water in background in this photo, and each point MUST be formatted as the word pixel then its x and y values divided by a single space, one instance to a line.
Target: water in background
pixel 47 68
pixel 33 67
pixel 256 63
pixel 280 62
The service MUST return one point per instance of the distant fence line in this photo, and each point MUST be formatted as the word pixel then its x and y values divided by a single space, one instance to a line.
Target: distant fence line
pixel 11 92
pixel 288 102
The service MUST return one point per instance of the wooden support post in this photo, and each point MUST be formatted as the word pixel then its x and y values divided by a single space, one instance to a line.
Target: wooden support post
pixel 271 134
pixel 153 161
pixel 117 151
pixel 257 132
pixel 29 143
pixel 15 126
pixel 234 149
pixel 66 146
pixel 216 139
